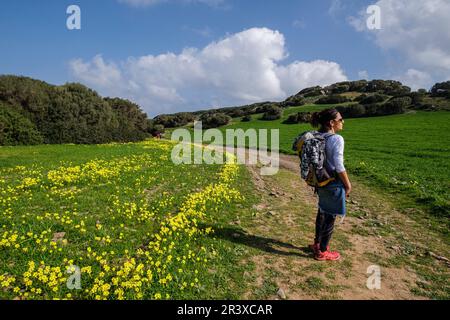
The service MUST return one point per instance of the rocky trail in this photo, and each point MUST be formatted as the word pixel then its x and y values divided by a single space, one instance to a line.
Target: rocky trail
pixel 373 236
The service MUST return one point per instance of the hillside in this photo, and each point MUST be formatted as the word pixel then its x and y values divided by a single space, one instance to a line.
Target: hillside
pixel 355 99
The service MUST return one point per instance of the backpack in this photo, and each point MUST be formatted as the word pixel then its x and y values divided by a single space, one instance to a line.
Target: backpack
pixel 310 147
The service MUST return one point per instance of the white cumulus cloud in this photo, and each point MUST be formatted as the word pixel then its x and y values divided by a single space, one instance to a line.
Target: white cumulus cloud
pixel 419 32
pixel 416 79
pixel 241 68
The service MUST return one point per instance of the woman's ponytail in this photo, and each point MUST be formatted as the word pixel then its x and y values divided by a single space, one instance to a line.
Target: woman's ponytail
pixel 322 118
pixel 315 119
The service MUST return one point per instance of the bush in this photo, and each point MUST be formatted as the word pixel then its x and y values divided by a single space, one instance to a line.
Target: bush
pixel 15 129
pixel 339 87
pixel 361 97
pixel 300 117
pixel 396 105
pixel 441 89
pixel 236 113
pixel 398 91
pixel 376 98
pixel 312 92
pixel 353 111
pixel 156 129
pixel 417 98
pixel 382 85
pixel 247 118
pixel 292 119
pixel 358 86
pixel 214 120
pixel 372 109
pixel 293 101
pixel 133 124
pixel 304 117
pixel 272 113
pixel 332 99
pixel 175 120
pixel 72 113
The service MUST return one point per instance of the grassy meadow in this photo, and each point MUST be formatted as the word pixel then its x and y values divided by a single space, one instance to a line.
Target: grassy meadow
pixel 134 224
pixel 407 154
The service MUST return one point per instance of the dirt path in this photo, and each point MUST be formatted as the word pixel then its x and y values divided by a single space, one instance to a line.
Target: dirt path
pixel 372 234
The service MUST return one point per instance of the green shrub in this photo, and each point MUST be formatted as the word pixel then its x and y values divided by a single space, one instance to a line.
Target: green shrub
pixel 353 111
pixel 339 87
pixel 292 119
pixel 214 120
pixel 293 101
pixel 272 113
pixel 397 105
pixel 441 89
pixel 398 91
pixel 175 120
pixel 73 113
pixel 394 106
pixel 236 113
pixel 358 86
pixel 311 92
pixel 15 129
pixel 376 98
pixel 332 99
pixel 300 117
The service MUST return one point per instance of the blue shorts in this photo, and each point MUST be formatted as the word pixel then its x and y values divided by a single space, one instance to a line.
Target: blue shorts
pixel 332 198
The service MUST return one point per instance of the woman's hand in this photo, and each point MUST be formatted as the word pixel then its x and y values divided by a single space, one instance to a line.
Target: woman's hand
pixel 346 181
pixel 348 190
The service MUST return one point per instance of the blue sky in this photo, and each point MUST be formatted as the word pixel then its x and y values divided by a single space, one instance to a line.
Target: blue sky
pixel 36 43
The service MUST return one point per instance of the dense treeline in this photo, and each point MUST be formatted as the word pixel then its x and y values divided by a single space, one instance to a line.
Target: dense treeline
pixel 32 112
pixel 392 106
pixel 364 98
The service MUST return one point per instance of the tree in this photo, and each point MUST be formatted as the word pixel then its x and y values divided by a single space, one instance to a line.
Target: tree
pixel 272 113
pixel 333 99
pixel 376 98
pixel 214 120
pixel 72 113
pixel 15 129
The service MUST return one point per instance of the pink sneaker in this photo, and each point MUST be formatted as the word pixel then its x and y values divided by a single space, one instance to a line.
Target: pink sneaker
pixel 327 255
pixel 316 248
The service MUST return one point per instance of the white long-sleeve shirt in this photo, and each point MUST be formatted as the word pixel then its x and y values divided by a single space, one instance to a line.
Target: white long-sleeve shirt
pixel 335 154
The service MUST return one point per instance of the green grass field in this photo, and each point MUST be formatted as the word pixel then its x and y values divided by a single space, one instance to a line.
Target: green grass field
pixel 124 214
pixel 139 227
pixel 408 153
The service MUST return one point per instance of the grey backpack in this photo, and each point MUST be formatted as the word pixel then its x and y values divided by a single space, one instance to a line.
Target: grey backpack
pixel 310 147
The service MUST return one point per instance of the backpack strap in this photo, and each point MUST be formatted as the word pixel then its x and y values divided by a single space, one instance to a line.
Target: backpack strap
pixel 327 135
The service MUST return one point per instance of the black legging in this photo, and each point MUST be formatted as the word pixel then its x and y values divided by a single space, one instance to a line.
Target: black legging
pixel 324 229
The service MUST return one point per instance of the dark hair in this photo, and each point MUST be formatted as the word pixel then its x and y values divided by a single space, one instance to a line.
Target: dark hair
pixel 323 118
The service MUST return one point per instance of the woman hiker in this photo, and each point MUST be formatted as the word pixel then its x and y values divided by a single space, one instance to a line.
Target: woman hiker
pixel 332 196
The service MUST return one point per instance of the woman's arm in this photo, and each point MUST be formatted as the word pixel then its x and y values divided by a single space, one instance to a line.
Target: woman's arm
pixel 346 181
pixel 339 163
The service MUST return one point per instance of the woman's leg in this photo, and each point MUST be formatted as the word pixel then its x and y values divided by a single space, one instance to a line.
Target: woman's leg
pixel 326 230
pixel 319 223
